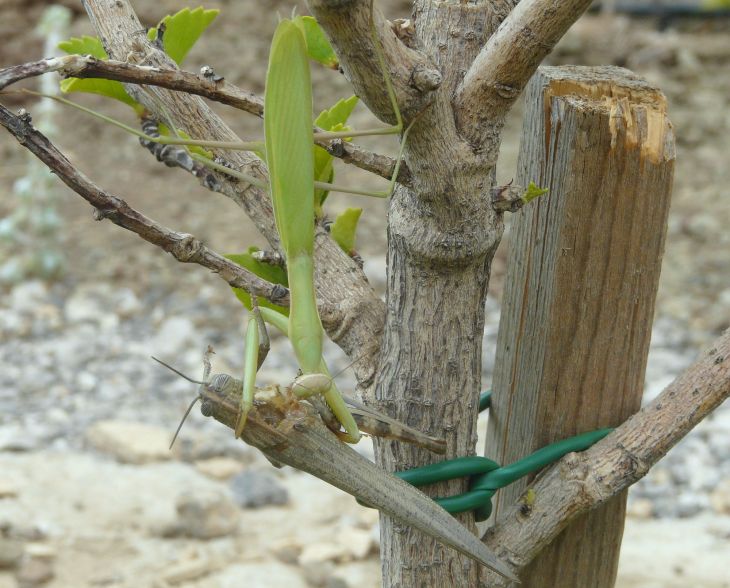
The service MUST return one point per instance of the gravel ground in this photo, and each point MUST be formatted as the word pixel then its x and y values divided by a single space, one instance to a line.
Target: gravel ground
pixel 87 414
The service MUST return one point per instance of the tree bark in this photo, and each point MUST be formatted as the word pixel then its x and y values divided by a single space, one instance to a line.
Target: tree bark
pixel 581 285
pixel 442 234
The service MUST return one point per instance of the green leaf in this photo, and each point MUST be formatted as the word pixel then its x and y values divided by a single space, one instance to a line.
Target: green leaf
pixel 92 46
pixel 532 192
pixel 318 46
pixel 84 46
pixel 331 119
pixel 344 228
pixel 270 273
pixel 337 115
pixel 165 131
pixel 182 30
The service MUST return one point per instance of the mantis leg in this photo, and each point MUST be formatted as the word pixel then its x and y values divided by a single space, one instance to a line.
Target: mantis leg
pixel 264 342
pixel 318 383
pixel 252 363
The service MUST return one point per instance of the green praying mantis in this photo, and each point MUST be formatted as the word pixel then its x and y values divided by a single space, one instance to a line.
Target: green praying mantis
pixel 289 155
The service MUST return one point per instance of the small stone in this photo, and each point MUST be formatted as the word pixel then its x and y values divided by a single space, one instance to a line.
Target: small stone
pixel 287 551
pixel 720 498
pixel 16 438
pixel 367 517
pixel 689 505
pixel 14 324
pixel 34 572
pixel 357 542
pixel 220 468
pixel 40 551
pixel 318 574
pixel 640 508
pixel 83 306
pixel 131 442
pixel 375 535
pixel 26 296
pixel 86 381
pixel 317 553
pixel 47 318
pixel 8 489
pixel 259 575
pixel 194 446
pixel 7 580
pixel 126 303
pixel 175 335
pixel 204 514
pixel 187 571
pixel 254 489
pixel 357 574
pixel 11 552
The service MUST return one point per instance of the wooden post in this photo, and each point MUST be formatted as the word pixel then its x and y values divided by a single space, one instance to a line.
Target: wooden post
pixel 580 290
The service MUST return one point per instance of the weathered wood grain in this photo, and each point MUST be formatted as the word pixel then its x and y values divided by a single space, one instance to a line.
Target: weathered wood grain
pixel 579 297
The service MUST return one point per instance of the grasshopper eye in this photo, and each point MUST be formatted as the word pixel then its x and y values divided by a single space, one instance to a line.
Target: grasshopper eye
pixel 206 408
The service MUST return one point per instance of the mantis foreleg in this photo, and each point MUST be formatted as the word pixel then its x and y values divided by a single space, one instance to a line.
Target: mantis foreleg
pixel 257 348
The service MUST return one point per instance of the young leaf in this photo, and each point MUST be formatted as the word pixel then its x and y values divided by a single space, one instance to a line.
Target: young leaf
pixel 182 30
pixel 85 45
pixel 271 273
pixel 92 46
pixel 337 114
pixel 331 119
pixel 532 192
pixel 344 228
pixel 318 46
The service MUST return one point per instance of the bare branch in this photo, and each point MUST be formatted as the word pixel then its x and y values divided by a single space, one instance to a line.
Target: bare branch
pixel 580 482
pixel 414 77
pixel 16 73
pixel 183 247
pixel 504 65
pixel 87 66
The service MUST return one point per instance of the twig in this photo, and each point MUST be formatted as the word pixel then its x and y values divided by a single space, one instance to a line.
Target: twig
pixel 581 482
pixel 498 75
pixel 413 75
pixel 183 247
pixel 86 66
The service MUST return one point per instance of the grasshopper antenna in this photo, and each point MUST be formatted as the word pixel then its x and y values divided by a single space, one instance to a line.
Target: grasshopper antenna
pixel 179 373
pixel 187 412
pixel 182 422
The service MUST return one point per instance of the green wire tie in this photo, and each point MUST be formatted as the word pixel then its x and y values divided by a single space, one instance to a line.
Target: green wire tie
pixel 486 476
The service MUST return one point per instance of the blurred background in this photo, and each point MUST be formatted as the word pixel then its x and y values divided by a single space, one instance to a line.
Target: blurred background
pixel 90 494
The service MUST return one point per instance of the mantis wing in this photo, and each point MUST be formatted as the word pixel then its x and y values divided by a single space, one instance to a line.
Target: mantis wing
pixel 290 157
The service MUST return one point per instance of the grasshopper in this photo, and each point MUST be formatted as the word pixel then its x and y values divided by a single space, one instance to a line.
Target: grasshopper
pixel 289 431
